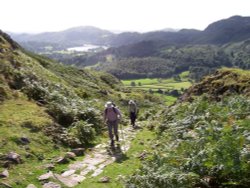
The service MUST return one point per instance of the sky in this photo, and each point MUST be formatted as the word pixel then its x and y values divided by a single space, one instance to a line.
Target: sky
pixel 36 16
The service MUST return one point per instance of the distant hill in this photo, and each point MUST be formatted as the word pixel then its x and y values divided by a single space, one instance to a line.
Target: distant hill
pixel 71 37
pixel 233 29
pixel 224 31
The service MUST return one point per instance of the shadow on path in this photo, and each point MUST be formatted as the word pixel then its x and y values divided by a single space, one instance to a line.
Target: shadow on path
pixel 117 153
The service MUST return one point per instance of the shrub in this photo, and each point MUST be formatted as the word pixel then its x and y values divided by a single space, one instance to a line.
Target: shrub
pixel 83 131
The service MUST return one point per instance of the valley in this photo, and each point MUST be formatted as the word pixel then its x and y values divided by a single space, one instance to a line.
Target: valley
pixel 192 89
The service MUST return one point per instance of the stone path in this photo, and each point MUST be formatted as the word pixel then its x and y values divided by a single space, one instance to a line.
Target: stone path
pixel 94 162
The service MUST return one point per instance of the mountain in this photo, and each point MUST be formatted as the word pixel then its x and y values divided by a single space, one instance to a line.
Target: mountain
pixel 71 37
pixel 233 29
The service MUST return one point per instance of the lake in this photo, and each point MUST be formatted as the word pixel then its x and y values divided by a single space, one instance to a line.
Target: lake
pixel 86 48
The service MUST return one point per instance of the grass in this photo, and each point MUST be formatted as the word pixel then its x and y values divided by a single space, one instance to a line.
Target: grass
pixel 22 118
pixel 164 84
pixel 128 165
pixel 142 81
pixel 169 100
pixel 184 75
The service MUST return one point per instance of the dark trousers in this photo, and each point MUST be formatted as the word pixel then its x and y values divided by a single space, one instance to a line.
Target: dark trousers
pixel 113 126
pixel 132 118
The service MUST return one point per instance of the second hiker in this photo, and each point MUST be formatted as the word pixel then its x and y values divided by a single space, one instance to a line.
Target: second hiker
pixel 112 116
pixel 133 111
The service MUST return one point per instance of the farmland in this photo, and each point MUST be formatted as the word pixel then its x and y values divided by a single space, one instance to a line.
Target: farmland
pixel 168 88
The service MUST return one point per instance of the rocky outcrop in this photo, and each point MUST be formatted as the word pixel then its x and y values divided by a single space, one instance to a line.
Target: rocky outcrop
pixel 224 82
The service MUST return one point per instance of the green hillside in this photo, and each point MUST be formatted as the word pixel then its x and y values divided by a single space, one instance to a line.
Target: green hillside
pixel 203 142
pixel 46 109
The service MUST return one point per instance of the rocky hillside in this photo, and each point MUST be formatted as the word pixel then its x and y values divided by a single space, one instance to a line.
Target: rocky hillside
pixel 224 82
pixel 47 109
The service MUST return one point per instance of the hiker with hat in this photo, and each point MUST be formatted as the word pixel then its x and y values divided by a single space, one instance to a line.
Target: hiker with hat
pixel 112 116
pixel 133 111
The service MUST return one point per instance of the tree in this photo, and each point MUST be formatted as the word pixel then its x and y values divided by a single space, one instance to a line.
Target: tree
pixel 132 84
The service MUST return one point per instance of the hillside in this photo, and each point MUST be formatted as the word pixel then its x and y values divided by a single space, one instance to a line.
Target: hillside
pixel 233 29
pixel 222 83
pixel 202 142
pixel 47 109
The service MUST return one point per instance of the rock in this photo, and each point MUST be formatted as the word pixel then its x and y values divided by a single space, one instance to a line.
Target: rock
pixel 24 140
pixel 50 166
pixel 46 176
pixel 69 182
pixel 78 151
pixel 5 185
pixel 70 155
pixel 104 179
pixel 14 157
pixel 51 185
pixel 68 173
pixel 62 160
pixel 4 174
pixel 31 186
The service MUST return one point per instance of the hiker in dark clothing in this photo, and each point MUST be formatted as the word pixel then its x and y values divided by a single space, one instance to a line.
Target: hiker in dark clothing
pixel 112 116
pixel 133 111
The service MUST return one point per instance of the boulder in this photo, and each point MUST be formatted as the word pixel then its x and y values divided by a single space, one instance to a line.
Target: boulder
pixel 70 155
pixel 4 174
pixel 5 185
pixel 31 186
pixel 68 182
pixel 78 151
pixel 14 157
pixel 62 160
pixel 46 176
pixel 104 179
pixel 51 185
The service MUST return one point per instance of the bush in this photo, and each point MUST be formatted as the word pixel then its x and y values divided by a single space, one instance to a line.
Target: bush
pixel 203 144
pixel 83 131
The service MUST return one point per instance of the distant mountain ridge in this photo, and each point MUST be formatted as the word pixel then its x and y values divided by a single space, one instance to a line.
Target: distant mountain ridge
pixel 71 37
pixel 233 29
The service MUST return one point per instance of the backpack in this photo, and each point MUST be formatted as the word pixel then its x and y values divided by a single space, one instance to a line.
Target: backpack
pixel 106 110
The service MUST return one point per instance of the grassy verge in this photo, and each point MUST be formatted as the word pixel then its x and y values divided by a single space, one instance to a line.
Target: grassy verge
pixel 22 118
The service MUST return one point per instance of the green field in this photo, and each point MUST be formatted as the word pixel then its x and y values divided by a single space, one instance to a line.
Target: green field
pixel 165 85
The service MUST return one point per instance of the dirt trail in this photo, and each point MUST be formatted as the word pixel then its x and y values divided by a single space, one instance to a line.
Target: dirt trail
pixel 95 161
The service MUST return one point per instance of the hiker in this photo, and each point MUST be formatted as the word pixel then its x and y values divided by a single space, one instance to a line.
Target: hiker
pixel 112 116
pixel 133 111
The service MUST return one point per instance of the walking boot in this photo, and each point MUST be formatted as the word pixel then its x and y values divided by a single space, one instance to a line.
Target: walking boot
pixel 117 138
pixel 112 143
